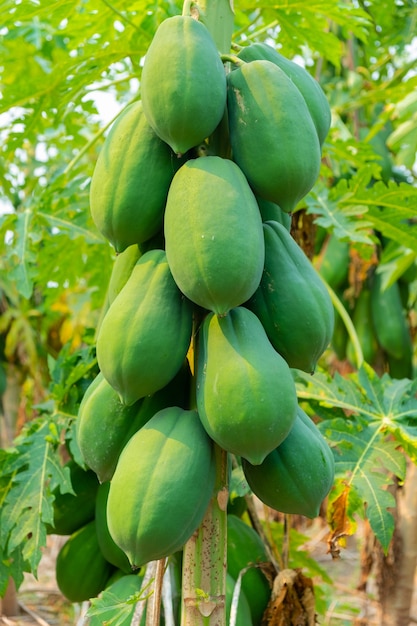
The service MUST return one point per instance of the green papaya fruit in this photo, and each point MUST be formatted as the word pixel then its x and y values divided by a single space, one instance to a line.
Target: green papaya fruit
pixel 81 570
pixel 121 590
pixel 162 485
pixel 105 424
pixel 246 395
pixel 401 368
pixel 391 327
pixel 362 321
pixel 243 616
pixel 334 262
pixel 213 234
pixel 111 552
pixel 245 549
pixel 272 135
pixel 298 474
pixel 292 301
pixel 130 181
pixel 74 510
pixel 122 269
pixel 272 212
pixel 183 84
pixel 309 88
pixel 145 334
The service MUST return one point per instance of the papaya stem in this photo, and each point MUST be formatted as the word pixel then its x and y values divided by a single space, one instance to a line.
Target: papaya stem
pixel 350 328
pixel 203 601
pixel 153 614
pixel 218 17
pixel 232 58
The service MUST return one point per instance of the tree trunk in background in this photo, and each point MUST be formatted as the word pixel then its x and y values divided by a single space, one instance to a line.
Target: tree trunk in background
pixel 395 571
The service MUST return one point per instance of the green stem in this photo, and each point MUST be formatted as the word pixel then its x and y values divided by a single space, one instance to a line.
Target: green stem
pixel 232 58
pixel 203 600
pixel 218 17
pixel 338 305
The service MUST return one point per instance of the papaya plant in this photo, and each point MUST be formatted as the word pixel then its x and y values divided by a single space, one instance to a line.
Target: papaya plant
pixel 212 320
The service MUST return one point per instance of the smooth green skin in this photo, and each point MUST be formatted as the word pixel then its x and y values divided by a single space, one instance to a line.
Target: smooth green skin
pixel 246 395
pixel 362 321
pixel 309 88
pixel 145 334
pixel 390 324
pixel 161 487
pixel 334 264
pixel 81 569
pixel 245 548
pixel 105 425
pixel 122 269
pixel 292 301
pixel 71 512
pixel 121 590
pixel 243 617
pixel 130 181
pixel 111 552
pixel 272 212
pixel 183 84
pixel 296 477
pixel 272 135
pixel 213 234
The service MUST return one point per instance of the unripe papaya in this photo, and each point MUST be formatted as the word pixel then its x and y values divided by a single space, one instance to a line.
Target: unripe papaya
pixel 145 334
pixel 246 395
pixel 130 181
pixel 389 319
pixel 161 487
pixel 297 476
pixel 309 88
pixel 334 262
pixel 81 570
pixel 272 135
pixel 183 84
pixel 245 549
pixel 110 550
pixel 213 234
pixel 122 269
pixel 364 326
pixel 292 301
pixel 272 212
pixel 74 510
pixel 105 425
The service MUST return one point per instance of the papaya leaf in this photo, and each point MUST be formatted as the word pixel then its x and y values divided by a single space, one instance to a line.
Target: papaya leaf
pixel 391 209
pixel 34 471
pixel 109 609
pixel 369 440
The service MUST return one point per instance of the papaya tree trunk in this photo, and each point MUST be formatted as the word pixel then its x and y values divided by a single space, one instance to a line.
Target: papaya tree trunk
pixel 204 559
pixel 396 571
pixel 203 598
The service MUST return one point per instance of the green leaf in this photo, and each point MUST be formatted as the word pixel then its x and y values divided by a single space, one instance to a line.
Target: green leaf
pixel 380 414
pixel 35 472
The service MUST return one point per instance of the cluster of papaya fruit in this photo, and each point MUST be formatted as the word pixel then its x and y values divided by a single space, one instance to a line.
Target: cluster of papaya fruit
pixel 89 562
pixel 379 313
pixel 211 300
